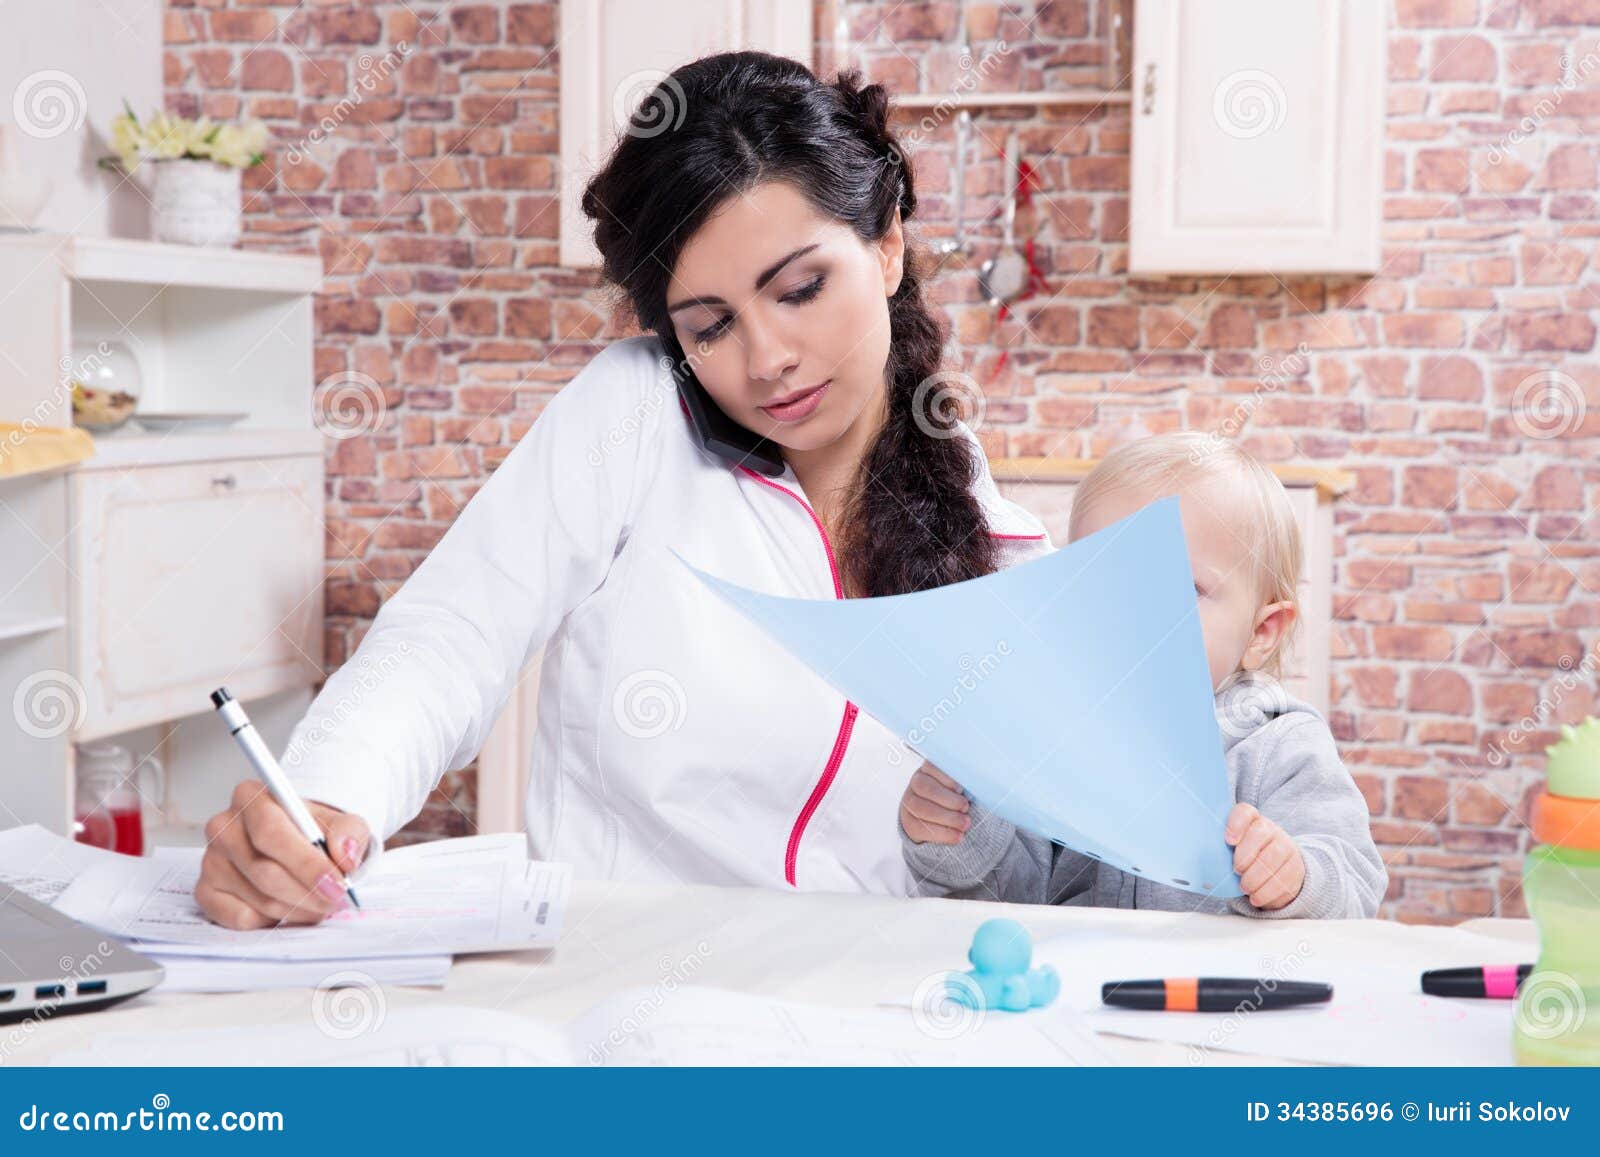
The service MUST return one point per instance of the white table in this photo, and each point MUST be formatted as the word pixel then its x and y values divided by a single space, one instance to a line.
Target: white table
pixel 820 948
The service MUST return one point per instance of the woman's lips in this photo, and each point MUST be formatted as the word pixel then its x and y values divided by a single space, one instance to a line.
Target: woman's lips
pixel 801 407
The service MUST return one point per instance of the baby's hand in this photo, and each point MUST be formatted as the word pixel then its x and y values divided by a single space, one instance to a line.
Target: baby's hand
pixel 933 810
pixel 1271 869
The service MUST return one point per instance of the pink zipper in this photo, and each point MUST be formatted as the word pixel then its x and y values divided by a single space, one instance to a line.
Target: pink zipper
pixel 842 740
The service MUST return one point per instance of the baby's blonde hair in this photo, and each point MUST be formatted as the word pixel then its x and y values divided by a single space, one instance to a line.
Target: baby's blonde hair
pixel 1169 463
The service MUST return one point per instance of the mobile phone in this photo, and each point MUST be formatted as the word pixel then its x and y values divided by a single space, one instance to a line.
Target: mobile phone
pixel 717 432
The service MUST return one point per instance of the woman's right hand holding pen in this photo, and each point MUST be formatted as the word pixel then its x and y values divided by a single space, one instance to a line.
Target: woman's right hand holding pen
pixel 933 809
pixel 259 870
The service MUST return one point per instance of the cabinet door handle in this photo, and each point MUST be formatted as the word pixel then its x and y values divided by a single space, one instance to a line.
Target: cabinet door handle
pixel 1149 105
pixel 224 482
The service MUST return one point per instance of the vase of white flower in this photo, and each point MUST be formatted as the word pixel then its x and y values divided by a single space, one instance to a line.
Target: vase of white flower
pixel 196 166
pixel 195 203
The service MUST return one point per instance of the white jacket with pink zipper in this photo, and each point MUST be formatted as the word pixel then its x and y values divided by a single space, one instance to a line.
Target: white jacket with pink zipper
pixel 675 742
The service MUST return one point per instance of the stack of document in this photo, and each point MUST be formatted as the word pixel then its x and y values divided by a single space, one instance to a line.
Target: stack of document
pixel 420 906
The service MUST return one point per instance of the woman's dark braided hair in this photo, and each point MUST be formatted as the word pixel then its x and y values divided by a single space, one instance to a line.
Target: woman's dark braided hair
pixel 720 126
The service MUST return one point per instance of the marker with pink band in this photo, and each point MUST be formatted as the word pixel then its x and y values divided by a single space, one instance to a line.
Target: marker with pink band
pixel 1491 981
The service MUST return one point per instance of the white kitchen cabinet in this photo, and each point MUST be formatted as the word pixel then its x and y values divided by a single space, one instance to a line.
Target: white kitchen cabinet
pixel 137 580
pixel 614 51
pixel 190 576
pixel 1257 136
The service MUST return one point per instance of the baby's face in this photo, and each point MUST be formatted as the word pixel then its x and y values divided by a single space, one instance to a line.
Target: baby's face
pixel 1231 616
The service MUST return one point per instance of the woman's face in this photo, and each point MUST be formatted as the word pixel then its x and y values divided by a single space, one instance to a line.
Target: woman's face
pixel 784 316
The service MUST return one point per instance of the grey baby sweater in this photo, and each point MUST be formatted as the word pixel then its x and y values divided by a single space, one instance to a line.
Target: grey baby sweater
pixel 1281 759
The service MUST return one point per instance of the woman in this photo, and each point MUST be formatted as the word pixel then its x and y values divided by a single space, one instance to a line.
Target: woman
pixel 675 743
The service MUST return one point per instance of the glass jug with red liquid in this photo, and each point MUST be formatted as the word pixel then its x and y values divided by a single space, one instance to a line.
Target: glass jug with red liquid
pixel 109 812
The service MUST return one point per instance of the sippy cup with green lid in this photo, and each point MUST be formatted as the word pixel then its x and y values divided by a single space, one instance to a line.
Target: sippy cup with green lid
pixel 1558 1005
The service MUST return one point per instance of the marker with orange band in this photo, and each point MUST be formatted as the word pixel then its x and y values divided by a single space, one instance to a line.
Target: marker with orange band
pixel 1213 994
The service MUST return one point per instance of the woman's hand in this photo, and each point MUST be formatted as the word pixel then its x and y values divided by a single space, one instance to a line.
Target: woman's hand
pixel 258 870
pixel 1270 866
pixel 933 809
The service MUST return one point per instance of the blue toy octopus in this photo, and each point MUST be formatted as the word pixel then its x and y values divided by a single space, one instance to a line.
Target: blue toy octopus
pixel 1000 977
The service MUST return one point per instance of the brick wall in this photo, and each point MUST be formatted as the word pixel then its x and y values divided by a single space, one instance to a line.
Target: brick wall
pixel 1459 386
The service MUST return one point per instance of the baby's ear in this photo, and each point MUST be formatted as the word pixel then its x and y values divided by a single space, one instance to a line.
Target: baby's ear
pixel 1272 629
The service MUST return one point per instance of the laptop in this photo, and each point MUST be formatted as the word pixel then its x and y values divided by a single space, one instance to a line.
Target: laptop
pixel 51 964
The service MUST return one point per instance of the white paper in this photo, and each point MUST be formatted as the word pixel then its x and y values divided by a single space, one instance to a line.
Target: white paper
pixel 689 1026
pixel 214 974
pixel 477 894
pixel 41 864
pixel 1378 1015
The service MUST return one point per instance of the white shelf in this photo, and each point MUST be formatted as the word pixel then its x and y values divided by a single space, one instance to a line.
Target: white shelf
pixel 26 628
pixel 118 451
pixel 194 266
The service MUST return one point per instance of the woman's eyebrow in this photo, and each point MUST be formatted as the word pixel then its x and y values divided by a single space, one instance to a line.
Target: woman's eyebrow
pixel 761 282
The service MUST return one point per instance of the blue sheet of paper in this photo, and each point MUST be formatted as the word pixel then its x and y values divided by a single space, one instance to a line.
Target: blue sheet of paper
pixel 1069 695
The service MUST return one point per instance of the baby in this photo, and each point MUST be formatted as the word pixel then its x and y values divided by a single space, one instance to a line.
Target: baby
pixel 1302 845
